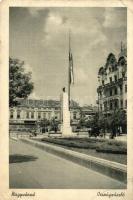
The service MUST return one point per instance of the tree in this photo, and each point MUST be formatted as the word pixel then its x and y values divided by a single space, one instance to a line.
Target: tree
pixel 81 122
pixel 95 124
pixel 103 122
pixel 54 124
pixel 44 123
pixel 119 119
pixel 20 84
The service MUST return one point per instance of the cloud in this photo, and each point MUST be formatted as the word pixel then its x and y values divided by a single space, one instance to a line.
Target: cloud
pixel 33 95
pixel 34 12
pixel 54 24
pixel 84 29
pixel 55 28
pixel 115 17
pixel 81 77
pixel 42 40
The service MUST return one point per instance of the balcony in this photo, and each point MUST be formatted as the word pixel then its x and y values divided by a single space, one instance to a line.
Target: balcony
pixel 114 97
pixel 111 84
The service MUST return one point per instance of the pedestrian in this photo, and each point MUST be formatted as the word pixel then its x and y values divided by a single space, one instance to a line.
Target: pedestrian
pixel 118 131
pixel 113 130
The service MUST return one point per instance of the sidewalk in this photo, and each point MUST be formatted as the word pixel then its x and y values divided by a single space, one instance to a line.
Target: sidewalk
pixel 121 138
pixel 109 168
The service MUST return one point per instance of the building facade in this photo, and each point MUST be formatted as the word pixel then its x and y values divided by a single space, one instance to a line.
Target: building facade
pixel 88 112
pixel 112 78
pixel 29 112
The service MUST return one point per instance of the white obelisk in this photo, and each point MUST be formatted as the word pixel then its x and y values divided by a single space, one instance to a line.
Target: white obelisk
pixel 66 127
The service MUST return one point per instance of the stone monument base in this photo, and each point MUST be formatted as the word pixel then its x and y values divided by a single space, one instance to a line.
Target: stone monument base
pixel 66 131
pixel 66 128
pixel 73 135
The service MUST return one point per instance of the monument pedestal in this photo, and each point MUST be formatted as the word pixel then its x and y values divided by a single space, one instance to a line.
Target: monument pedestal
pixel 66 129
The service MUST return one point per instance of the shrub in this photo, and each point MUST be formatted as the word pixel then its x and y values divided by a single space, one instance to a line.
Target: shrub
pixel 112 148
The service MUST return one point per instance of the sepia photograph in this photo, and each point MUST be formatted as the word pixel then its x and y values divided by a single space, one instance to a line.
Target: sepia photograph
pixel 68 97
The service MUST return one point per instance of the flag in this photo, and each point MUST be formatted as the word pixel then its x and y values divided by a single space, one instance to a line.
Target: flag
pixel 71 74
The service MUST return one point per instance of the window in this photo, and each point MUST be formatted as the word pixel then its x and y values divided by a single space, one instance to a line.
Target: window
pixel 121 103
pixel 110 92
pixel 110 78
pixel 49 115
pixel 123 75
pixel 56 115
pixel 100 93
pixel 27 114
pixel 105 106
pixel 44 115
pixel 74 115
pixel 102 82
pixel 125 103
pixel 18 114
pixel 101 107
pixel 120 89
pixel 115 78
pixel 116 104
pixel 126 88
pixel 111 106
pixel 31 102
pixel 32 115
pixel 39 115
pixel 11 114
pixel 115 91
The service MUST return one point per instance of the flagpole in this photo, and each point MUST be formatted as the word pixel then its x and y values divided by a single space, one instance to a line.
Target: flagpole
pixel 69 73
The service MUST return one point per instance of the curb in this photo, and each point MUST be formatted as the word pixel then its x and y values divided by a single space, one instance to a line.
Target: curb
pixel 112 169
pixel 14 138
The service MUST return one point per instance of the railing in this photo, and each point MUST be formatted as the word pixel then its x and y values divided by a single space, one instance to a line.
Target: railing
pixel 111 84
pixel 114 97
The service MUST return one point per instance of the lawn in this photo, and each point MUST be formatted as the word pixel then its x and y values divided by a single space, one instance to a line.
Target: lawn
pixel 107 149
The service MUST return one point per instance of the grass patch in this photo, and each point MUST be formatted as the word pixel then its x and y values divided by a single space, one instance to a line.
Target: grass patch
pixel 96 147
pixel 100 145
pixel 115 147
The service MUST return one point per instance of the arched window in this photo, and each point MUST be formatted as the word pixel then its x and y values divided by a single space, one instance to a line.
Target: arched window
pixel 18 114
pixel 11 114
pixel 110 78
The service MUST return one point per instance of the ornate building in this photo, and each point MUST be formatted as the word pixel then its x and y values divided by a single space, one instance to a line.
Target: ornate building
pixel 112 78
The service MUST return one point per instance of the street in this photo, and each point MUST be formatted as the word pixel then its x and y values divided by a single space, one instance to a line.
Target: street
pixel 31 167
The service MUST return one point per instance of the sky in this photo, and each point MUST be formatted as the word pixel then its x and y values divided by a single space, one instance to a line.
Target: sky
pixel 40 37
